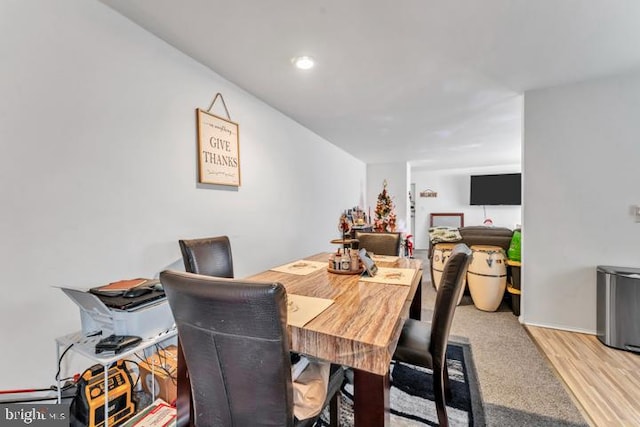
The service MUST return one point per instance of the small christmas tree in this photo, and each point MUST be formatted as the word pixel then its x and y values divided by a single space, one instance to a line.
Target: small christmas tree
pixel 385 211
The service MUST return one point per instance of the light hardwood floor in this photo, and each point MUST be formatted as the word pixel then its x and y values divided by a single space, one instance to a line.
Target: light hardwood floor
pixel 604 381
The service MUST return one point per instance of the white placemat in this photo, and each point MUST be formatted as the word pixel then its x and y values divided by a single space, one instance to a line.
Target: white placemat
pixel 385 258
pixel 301 268
pixel 392 276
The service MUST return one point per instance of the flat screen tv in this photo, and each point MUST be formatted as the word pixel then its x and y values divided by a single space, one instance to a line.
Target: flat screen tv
pixel 503 189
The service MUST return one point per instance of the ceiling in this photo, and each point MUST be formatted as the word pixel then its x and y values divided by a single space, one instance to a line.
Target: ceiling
pixel 435 83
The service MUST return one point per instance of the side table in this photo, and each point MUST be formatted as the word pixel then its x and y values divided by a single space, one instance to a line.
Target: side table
pixel 514 287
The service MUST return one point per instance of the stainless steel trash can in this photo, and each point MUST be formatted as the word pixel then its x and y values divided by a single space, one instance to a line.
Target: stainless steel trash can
pixel 618 307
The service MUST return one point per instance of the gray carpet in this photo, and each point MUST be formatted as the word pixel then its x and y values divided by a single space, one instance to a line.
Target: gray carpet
pixel 518 386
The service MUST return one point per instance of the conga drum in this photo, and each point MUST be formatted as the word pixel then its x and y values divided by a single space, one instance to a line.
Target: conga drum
pixel 487 276
pixel 441 253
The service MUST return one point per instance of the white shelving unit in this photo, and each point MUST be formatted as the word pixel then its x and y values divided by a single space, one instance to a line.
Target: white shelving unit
pixel 85 346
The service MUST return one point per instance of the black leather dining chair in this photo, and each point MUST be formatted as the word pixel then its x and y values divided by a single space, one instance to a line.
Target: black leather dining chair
pixel 425 344
pixel 210 256
pixel 379 243
pixel 233 336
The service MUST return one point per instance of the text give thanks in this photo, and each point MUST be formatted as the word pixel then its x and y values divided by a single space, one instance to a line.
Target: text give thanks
pixel 218 150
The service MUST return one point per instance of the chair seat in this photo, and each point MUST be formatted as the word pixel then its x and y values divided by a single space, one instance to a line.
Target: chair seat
pixel 336 378
pixel 413 345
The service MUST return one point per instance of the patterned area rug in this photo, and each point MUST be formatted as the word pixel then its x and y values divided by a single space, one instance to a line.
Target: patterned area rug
pixel 412 399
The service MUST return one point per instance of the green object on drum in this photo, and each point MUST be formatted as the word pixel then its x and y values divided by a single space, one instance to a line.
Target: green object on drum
pixel 514 248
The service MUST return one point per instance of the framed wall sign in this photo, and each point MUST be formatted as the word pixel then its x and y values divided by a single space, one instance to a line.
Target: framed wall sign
pixel 218 150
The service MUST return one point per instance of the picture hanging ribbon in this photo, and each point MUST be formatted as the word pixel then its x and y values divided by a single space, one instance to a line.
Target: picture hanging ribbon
pixel 215 98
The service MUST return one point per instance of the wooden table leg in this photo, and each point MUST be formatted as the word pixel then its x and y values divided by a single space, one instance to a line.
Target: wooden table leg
pixel 371 399
pixel 416 304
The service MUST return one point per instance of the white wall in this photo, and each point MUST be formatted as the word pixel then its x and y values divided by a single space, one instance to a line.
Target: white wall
pixel 397 176
pixel 98 171
pixel 452 186
pixel 581 153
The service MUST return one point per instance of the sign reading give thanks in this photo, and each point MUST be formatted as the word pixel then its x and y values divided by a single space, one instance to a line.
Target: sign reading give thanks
pixel 218 150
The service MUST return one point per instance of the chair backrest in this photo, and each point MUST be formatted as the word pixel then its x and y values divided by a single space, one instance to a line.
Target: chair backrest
pixel 209 256
pixel 234 339
pixel 451 284
pixel 379 243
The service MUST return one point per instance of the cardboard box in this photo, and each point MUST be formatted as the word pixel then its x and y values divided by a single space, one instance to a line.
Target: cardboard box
pixel 164 365
pixel 159 413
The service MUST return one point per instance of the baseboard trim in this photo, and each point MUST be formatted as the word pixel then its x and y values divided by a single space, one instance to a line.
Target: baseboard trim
pixel 561 328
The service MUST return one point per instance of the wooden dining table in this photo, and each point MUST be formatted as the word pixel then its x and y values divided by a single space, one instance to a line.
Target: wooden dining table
pixel 360 329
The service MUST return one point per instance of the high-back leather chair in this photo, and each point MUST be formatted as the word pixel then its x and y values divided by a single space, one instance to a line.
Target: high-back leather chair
pixel 210 256
pixel 425 344
pixel 233 336
pixel 379 243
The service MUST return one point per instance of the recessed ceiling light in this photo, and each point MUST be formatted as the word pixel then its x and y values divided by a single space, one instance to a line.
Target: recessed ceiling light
pixel 303 62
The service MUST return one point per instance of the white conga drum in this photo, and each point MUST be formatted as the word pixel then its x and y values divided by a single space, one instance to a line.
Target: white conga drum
pixel 441 253
pixel 487 276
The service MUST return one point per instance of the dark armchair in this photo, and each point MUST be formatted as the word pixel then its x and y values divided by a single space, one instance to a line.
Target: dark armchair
pixel 233 337
pixel 379 243
pixel 425 344
pixel 210 256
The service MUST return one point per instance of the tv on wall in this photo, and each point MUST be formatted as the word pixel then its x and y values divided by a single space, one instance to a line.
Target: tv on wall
pixel 503 189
